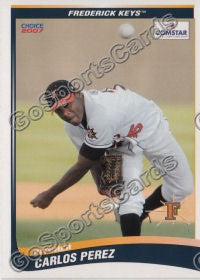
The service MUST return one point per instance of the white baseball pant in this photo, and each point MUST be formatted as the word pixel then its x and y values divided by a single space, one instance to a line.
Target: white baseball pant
pixel 178 182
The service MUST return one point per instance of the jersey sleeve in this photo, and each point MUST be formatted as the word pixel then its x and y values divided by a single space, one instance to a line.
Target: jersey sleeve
pixel 91 153
pixel 99 134
pixel 76 134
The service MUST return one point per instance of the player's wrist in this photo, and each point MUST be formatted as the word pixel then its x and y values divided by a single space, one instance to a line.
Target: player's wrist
pixel 52 193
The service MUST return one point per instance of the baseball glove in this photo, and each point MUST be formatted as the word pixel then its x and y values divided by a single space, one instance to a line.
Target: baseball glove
pixel 107 174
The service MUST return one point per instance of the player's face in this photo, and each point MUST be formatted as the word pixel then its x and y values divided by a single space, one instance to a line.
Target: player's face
pixel 72 113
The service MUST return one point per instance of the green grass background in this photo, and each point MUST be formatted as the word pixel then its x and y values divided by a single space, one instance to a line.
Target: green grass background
pixel 29 231
pixel 44 153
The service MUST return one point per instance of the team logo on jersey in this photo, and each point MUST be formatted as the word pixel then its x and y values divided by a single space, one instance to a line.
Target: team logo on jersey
pixel 91 133
pixel 134 130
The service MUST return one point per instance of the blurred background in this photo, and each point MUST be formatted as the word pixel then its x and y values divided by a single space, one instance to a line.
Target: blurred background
pixel 162 71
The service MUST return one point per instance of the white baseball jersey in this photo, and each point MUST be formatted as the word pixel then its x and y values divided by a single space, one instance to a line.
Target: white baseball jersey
pixel 114 115
pixel 122 116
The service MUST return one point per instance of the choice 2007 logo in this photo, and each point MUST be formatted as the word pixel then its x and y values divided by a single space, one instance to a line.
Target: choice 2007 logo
pixel 32 27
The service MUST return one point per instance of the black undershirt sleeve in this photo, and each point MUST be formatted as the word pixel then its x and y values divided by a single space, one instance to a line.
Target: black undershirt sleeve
pixel 91 153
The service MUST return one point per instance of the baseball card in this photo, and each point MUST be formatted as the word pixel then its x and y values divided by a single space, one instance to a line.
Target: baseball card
pixel 100 156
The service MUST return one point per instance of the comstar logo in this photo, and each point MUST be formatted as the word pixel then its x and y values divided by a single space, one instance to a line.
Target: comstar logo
pixel 172 32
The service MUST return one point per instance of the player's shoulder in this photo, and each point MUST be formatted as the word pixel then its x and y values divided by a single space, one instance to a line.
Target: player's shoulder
pixel 112 89
pixel 115 88
pixel 90 92
pixel 71 129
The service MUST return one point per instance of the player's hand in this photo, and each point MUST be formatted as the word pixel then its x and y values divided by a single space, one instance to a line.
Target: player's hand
pixel 42 200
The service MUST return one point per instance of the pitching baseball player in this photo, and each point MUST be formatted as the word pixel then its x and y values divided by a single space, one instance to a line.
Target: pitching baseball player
pixel 113 129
